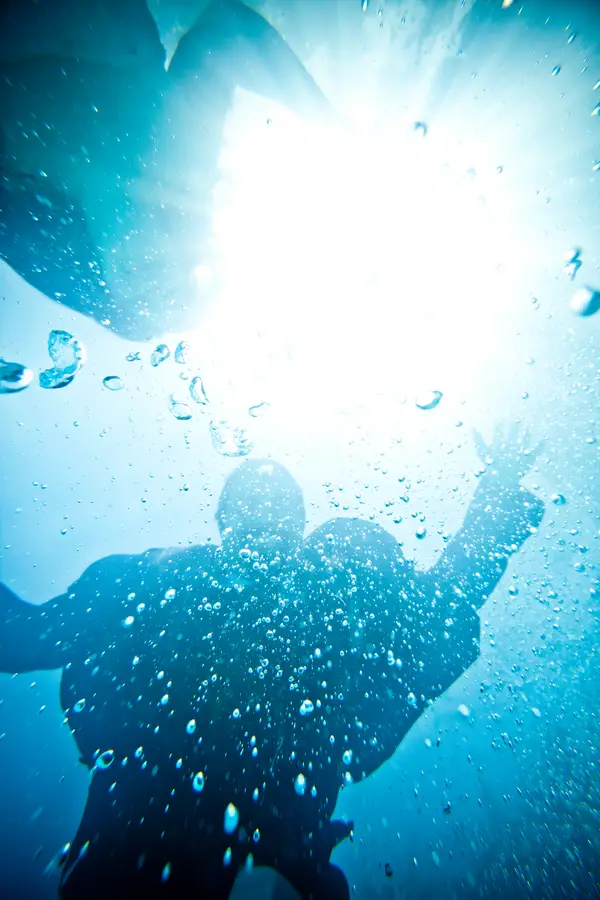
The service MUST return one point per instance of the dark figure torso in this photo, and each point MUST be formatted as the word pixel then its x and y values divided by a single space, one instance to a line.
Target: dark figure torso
pixel 213 680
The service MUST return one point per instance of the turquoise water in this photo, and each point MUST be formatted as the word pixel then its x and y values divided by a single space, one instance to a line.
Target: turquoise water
pixel 357 288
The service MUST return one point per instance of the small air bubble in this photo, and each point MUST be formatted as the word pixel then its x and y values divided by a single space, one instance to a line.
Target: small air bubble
pixel 159 355
pixel 307 708
pixel 231 819
pixel 105 760
pixel 428 399
pixel 198 782
pixel 300 785
pixel 112 383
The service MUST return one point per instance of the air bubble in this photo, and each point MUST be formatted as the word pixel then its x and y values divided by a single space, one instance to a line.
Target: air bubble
pixel 113 383
pixel 307 708
pixel 258 409
pixel 197 391
pixel 585 302
pixel 159 355
pixel 106 759
pixel 428 399
pixel 231 819
pixel 14 377
pixel 181 411
pixel 300 785
pixel 181 353
pixel 198 782
pixel 68 355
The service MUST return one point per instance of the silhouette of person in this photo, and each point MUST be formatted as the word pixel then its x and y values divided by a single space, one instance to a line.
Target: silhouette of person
pixel 221 696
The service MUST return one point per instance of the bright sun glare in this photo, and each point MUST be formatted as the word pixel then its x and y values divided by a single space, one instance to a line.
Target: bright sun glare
pixel 355 262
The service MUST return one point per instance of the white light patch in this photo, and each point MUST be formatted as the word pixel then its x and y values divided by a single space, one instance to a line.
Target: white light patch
pixel 354 264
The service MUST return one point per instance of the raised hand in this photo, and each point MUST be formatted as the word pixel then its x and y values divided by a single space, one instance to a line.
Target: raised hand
pixel 510 454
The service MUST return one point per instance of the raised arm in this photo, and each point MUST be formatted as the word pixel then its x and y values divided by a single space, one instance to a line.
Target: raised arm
pixel 501 517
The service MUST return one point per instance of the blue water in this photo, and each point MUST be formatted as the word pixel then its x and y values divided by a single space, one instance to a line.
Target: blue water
pixel 427 259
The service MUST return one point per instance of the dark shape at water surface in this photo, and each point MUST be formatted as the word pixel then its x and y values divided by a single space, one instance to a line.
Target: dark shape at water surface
pixel 107 160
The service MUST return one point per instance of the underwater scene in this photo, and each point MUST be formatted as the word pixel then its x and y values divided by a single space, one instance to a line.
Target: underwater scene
pixel 300 395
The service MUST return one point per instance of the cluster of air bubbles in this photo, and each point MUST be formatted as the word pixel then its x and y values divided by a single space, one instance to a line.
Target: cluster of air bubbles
pixel 68 355
pixel 14 377
pixel 228 439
